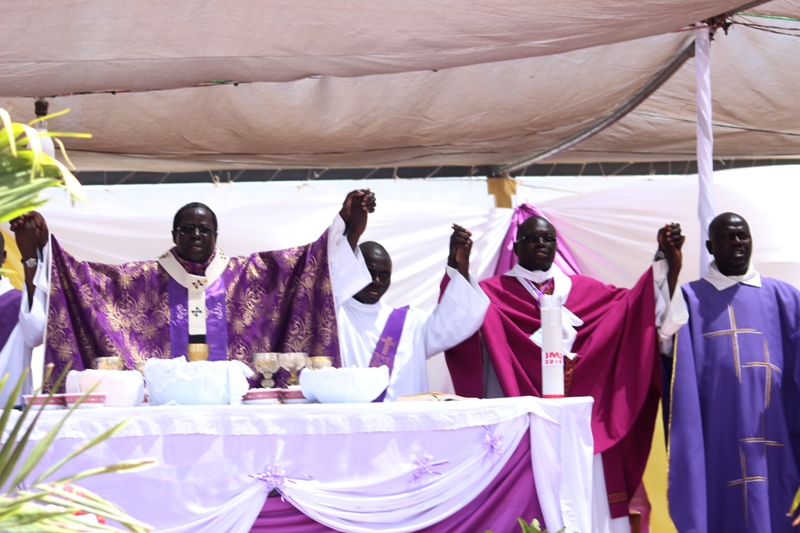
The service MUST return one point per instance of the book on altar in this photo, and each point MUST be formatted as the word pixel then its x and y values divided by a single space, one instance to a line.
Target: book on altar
pixel 432 397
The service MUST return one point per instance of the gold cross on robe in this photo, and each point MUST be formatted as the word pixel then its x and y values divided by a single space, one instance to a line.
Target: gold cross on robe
pixel 770 368
pixel 734 332
pixel 745 480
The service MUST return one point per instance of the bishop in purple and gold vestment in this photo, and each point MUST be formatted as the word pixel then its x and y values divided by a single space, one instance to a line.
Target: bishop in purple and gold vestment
pixel 734 402
pixel 278 301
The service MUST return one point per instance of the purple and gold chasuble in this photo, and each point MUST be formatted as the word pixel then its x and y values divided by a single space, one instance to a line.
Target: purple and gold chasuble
pixel 386 348
pixel 734 432
pixel 278 301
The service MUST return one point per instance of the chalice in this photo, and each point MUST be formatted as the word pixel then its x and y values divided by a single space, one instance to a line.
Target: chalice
pixel 319 362
pixel 267 363
pixel 293 362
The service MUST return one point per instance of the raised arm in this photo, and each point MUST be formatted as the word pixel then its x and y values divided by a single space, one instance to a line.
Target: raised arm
pixel 355 210
pixel 460 248
pixel 31 233
pixel 670 241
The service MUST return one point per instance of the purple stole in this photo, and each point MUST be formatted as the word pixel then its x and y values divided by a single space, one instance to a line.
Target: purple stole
pixel 216 321
pixel 386 348
pixel 9 314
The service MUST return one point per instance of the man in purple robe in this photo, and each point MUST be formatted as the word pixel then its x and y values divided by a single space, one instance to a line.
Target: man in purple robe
pixel 278 301
pixel 611 342
pixel 734 406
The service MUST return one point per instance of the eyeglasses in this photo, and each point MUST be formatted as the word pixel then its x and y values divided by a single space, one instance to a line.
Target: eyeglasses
pixel 189 230
pixel 536 238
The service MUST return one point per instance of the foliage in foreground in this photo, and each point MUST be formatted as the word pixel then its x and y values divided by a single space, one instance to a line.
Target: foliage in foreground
pixel 25 170
pixel 40 506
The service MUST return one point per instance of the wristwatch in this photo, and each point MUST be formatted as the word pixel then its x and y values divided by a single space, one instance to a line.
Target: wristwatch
pixel 30 263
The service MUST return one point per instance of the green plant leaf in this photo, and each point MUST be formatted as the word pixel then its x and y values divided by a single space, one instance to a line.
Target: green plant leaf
pixel 8 462
pixel 133 465
pixel 43 445
pixel 94 442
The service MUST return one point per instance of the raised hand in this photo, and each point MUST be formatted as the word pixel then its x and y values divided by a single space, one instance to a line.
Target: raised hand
pixel 355 210
pixel 670 242
pixel 31 233
pixel 460 248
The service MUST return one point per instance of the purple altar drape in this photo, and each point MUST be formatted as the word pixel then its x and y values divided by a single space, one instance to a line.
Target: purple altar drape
pixel 511 495
pixel 508 259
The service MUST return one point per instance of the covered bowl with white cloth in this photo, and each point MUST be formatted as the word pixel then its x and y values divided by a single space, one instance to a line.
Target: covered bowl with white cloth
pixel 179 382
pixel 344 385
pixel 121 388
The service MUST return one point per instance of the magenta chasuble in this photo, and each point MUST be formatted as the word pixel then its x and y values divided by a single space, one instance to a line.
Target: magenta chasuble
pixel 279 301
pixel 617 364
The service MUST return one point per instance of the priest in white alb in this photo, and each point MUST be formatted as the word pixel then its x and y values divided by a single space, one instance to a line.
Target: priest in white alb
pixel 22 313
pixel 372 333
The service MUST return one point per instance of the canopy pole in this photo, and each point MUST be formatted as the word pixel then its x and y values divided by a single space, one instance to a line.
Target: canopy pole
pixel 503 188
pixel 705 142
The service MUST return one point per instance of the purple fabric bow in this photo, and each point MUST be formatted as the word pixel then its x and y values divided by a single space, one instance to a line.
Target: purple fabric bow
pixel 425 466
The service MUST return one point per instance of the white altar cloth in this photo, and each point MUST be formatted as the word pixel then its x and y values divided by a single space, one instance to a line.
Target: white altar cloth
pixel 391 467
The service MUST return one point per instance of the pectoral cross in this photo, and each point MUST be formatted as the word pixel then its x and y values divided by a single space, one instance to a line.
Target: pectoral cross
pixel 197 311
pixel 388 344
pixel 734 332
pixel 199 283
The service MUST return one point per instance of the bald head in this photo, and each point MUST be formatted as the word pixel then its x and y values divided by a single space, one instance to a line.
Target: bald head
pixel 536 244
pixel 730 243
pixel 379 264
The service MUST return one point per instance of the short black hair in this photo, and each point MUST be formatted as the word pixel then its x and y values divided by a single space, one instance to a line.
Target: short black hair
pixel 194 205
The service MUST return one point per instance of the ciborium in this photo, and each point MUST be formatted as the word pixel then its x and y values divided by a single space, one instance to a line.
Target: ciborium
pixel 293 362
pixel 267 363
pixel 110 363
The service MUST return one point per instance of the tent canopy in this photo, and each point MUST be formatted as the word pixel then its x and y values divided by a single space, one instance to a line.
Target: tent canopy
pixel 352 84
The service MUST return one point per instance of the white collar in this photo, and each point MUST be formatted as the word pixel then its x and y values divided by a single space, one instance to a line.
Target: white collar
pixel 721 282
pixel 5 285
pixel 562 284
pixel 361 307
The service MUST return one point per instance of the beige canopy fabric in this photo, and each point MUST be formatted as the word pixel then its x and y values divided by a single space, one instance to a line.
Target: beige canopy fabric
pixel 394 83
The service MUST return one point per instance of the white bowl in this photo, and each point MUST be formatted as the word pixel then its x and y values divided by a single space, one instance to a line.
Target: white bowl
pixel 344 385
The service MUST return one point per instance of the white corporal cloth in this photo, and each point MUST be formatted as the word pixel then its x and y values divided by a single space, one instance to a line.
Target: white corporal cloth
pixel 353 468
pixel 457 317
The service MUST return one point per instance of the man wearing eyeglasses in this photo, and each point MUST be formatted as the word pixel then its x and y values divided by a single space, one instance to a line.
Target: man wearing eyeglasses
pixel 277 301
pixel 611 343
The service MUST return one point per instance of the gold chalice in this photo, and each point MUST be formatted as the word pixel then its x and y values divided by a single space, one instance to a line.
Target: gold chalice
pixel 293 362
pixel 318 362
pixel 110 363
pixel 267 363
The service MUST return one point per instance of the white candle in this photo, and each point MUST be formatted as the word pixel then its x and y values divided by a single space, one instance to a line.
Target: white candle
pixel 552 348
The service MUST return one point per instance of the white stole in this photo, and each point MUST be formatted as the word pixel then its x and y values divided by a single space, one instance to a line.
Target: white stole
pixel 196 285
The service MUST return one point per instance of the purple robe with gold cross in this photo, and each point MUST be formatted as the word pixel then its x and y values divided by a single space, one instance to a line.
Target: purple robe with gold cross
pixel 734 413
pixel 278 301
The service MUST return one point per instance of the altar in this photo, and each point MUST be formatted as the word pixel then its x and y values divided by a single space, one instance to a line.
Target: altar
pixel 389 467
